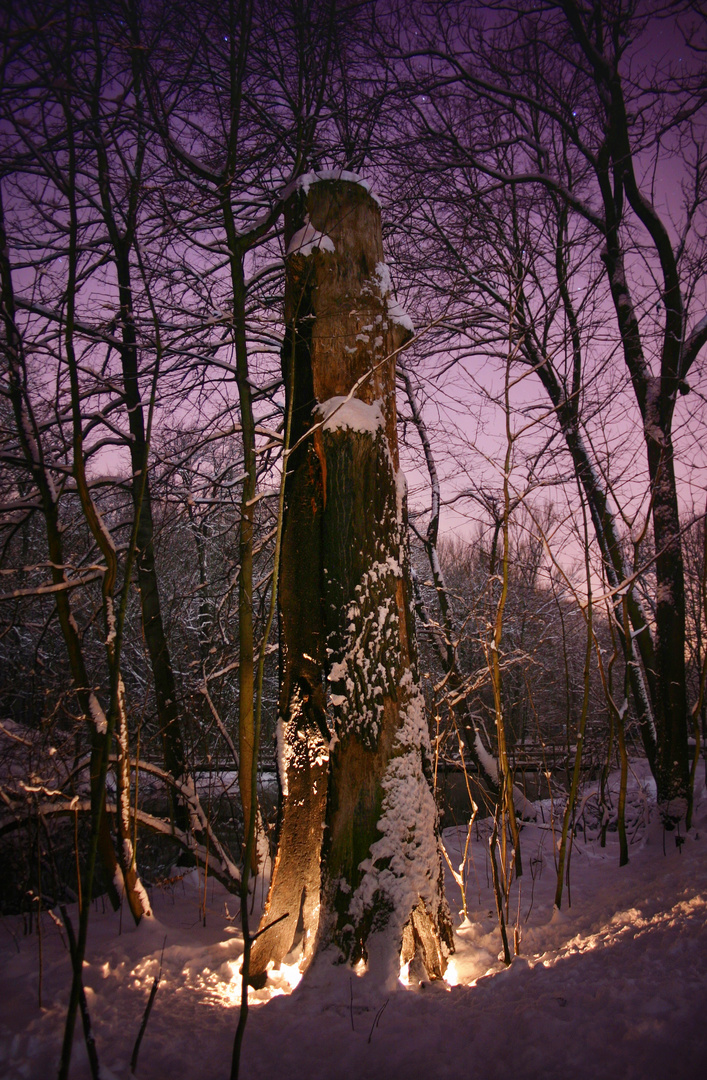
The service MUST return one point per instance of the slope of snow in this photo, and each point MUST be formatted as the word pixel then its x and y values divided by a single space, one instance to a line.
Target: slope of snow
pixel 613 986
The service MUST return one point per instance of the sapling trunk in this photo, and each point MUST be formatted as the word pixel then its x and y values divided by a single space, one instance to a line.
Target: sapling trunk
pixel 497 890
pixel 505 774
pixel 39 911
pixel 251 835
pixel 606 768
pixel 83 1004
pixel 623 757
pixel 239 21
pixel 698 706
pixel 577 770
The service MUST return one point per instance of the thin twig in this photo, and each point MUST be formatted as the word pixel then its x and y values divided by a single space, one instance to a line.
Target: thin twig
pixel 254 937
pixel 377 1018
pixel 148 1010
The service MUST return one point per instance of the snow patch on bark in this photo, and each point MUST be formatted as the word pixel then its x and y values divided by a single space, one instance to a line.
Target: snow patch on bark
pixel 362 679
pixel 118 880
pixel 523 807
pixel 112 629
pixel 488 761
pixel 664 593
pixel 490 766
pixel 404 864
pixel 396 313
pixel 308 240
pixel 673 811
pixel 139 889
pixel 98 717
pixel 351 413
pixel 401 493
pixel 282 758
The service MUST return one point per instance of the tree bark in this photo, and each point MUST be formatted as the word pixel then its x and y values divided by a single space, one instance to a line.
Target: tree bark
pixel 358 863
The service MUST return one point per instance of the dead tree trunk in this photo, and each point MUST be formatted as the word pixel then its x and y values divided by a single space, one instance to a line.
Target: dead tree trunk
pixel 358 865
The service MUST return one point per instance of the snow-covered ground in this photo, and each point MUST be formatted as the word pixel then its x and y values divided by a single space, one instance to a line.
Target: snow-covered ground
pixel 614 986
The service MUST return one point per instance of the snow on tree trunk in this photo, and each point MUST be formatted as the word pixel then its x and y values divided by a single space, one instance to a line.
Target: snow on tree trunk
pixel 358 864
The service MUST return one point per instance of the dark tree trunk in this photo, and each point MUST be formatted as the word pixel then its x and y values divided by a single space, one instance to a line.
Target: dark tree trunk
pixel 153 627
pixel 358 861
pixel 655 396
